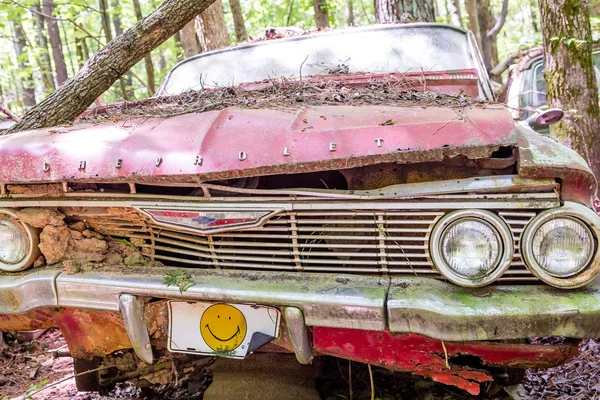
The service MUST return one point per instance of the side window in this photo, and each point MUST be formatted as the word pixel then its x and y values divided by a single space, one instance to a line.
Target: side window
pixel 539 86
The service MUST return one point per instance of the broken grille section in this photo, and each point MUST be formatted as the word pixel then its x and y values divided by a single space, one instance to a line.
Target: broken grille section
pixel 326 240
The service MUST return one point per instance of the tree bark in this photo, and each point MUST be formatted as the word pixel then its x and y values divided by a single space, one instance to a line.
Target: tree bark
pixel 189 40
pixel 148 64
pixel 106 27
pixel 60 66
pixel 26 78
pixel 471 6
pixel 241 34
pixel 42 43
pixel 127 80
pixel 389 11
pixel 455 13
pixel 107 65
pixel 570 78
pixel 321 13
pixel 349 13
pixel 211 28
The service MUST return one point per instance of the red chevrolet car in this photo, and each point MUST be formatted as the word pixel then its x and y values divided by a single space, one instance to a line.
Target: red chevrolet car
pixel 352 193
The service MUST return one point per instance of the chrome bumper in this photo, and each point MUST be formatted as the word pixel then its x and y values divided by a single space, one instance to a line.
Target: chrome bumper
pixel 419 305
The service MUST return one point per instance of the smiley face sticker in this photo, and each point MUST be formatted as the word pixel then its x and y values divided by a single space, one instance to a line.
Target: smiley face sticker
pixel 223 327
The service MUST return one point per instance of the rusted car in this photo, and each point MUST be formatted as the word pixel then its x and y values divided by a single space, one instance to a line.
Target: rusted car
pixel 525 88
pixel 355 194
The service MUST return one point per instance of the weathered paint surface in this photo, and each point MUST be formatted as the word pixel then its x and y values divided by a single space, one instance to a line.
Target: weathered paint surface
pixel 316 138
pixel 543 157
pixel 426 357
pixel 34 319
pixel 91 333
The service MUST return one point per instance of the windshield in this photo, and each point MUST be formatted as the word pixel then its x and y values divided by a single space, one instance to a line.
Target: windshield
pixel 379 49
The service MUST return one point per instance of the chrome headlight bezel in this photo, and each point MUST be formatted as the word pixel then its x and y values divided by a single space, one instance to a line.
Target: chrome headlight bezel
pixel 569 210
pixel 506 246
pixel 32 238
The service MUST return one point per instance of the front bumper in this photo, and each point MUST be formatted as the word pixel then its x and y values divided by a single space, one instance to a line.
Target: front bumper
pixel 424 306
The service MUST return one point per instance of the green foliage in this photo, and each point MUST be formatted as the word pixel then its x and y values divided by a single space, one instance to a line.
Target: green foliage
pixel 179 278
pixel 35 388
pixel 80 23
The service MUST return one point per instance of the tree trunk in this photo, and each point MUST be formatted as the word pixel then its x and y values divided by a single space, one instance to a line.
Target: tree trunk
pixel 106 27
pixel 127 80
pixel 455 14
pixel 321 13
pixel 570 78
pixel 349 13
pixel 60 66
pixel 534 16
pixel 241 34
pixel 189 40
pixel 26 78
pixel 151 85
pixel 107 65
pixel 211 28
pixel 471 6
pixel 387 11
pixel 42 43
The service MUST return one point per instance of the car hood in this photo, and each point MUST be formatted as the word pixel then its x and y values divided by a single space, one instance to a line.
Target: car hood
pixel 236 142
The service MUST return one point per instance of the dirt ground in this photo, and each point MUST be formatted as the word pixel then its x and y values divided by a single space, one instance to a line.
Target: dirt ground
pixel 31 370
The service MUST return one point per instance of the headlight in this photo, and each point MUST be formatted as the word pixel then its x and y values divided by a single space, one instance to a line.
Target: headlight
pixel 471 247
pixel 18 243
pixel 14 245
pixel 563 247
pixel 560 246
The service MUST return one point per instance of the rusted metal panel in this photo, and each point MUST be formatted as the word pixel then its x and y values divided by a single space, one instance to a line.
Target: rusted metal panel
pixel 542 157
pixel 427 357
pixel 91 333
pixel 34 319
pixel 238 142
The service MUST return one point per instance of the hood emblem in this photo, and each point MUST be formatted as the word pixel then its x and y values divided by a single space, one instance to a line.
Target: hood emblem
pixel 207 220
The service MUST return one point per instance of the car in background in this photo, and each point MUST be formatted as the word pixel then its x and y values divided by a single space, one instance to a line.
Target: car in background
pixel 353 194
pixel 525 88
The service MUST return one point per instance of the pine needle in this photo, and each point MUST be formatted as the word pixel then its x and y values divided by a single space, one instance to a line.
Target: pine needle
pixel 445 354
pixel 372 384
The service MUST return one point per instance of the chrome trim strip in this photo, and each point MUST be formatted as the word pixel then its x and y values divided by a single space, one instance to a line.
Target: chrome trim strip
pixel 448 312
pixel 325 299
pixel 22 292
pixel 294 320
pixel 132 311
pixel 419 305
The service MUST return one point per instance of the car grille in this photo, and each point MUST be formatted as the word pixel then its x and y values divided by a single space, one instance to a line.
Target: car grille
pixel 338 238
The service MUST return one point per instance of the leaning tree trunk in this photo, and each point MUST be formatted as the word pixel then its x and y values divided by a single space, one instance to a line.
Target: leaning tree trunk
pixel 570 78
pixel 321 13
pixel 109 63
pixel 211 28
pixel 60 66
pixel 241 34
pixel 150 82
pixel 106 27
pixel 42 43
pixel 387 11
pixel 127 80
pixel 26 77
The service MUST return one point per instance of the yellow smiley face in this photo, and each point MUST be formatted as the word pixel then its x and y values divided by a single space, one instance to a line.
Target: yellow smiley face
pixel 223 327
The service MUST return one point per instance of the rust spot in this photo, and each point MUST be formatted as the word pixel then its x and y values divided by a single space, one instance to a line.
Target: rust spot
pixel 91 333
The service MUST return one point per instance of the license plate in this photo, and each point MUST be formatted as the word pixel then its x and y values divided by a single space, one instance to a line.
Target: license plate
pixel 227 330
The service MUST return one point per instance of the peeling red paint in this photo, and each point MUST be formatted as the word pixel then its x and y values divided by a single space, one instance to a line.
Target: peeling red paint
pixel 417 134
pixel 91 333
pixel 426 357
